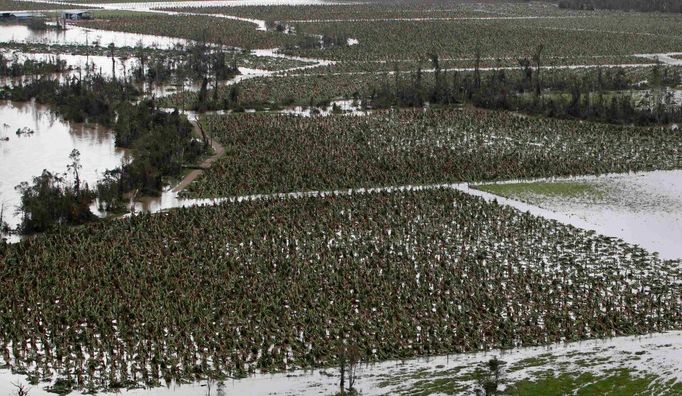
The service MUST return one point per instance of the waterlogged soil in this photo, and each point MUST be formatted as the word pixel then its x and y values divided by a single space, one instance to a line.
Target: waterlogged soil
pixel 655 359
pixel 643 208
pixel 24 156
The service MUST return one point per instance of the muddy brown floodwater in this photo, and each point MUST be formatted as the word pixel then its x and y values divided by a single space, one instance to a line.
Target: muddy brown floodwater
pixel 24 156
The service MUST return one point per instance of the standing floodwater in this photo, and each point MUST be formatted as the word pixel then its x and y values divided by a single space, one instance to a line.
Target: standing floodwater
pixel 76 35
pixel 643 208
pixel 44 142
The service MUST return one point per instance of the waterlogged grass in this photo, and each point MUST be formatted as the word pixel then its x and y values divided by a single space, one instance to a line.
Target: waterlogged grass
pixel 552 374
pixel 455 381
pixel 618 382
pixel 537 361
pixel 440 386
pixel 544 378
pixel 549 189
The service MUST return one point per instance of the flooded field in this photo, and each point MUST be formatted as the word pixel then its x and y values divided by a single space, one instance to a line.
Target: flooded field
pixel 24 156
pixel 76 35
pixel 349 107
pixel 97 154
pixel 324 261
pixel 655 359
pixel 643 209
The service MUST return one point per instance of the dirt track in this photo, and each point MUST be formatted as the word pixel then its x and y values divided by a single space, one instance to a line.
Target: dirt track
pixel 218 150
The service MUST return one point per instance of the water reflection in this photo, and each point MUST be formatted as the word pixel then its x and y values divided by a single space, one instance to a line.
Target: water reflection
pixel 77 35
pixel 643 208
pixel 23 157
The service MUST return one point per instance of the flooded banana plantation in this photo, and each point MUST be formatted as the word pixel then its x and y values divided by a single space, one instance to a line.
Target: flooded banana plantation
pixel 387 197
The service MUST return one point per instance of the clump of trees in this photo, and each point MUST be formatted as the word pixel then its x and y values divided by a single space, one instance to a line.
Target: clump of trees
pixel 348 358
pixel 308 42
pixel 162 143
pixel 489 378
pixel 52 200
pixel 196 62
pixel 214 101
pixel 88 99
pixel 12 67
pixel 109 190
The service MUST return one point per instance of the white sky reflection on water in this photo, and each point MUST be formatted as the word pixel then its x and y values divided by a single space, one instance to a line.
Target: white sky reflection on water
pixel 659 354
pixel 76 35
pixel 640 208
pixel 24 157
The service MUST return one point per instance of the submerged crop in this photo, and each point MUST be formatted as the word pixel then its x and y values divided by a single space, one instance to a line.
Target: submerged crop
pixel 268 153
pixel 272 285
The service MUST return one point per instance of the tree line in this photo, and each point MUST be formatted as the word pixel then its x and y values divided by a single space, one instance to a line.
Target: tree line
pixel 599 95
pixel 12 67
pixel 92 98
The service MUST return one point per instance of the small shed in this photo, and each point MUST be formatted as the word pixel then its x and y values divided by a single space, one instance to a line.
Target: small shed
pixel 76 14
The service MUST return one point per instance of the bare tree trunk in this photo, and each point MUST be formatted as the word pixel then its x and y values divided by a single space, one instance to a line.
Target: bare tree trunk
pixel 343 374
pixel 113 61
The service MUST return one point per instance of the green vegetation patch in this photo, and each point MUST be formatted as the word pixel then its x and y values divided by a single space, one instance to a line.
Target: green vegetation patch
pixel 618 382
pixel 439 386
pixel 546 189
pixel 538 361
